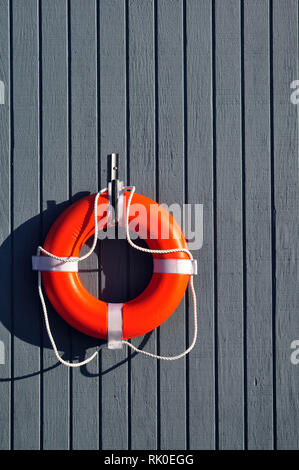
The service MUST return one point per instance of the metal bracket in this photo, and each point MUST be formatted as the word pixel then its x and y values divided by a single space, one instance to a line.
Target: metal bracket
pixel 115 183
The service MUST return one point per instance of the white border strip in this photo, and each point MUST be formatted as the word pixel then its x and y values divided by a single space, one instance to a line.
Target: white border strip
pixel 175 266
pixel 115 326
pixel 45 263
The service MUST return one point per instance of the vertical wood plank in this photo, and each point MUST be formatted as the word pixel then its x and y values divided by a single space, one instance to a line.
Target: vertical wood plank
pixel 55 191
pixel 84 178
pixel 198 95
pixel 258 225
pixel 172 376
pixel 285 219
pixel 112 46
pixel 5 231
pixel 142 175
pixel 26 225
pixel 229 224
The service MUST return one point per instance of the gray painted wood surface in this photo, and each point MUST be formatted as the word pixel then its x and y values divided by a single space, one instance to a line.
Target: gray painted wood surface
pixel 195 96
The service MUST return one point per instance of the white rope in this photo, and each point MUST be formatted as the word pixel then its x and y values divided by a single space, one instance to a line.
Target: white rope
pixel 40 291
pixel 69 364
pixel 145 250
pixel 173 250
pixel 95 237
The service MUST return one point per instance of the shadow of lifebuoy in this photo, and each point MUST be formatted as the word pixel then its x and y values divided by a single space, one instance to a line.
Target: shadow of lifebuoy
pixel 21 312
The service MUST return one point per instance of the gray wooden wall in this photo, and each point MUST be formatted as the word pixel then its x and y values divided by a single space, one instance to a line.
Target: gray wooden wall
pixel 195 96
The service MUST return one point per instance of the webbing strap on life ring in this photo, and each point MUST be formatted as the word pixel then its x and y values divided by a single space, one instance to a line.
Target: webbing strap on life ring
pixel 45 263
pixel 165 265
pixel 175 266
pixel 115 326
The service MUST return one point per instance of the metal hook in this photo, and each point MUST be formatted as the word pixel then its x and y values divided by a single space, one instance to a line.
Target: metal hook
pixel 113 179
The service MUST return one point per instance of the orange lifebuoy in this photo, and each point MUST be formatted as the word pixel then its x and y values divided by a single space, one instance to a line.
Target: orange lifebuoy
pixel 88 314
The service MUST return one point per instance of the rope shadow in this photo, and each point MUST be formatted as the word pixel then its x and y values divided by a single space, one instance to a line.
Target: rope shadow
pixel 83 369
pixel 131 355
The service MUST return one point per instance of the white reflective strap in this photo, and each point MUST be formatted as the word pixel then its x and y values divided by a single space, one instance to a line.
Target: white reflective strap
pixel 115 326
pixel 175 266
pixel 45 263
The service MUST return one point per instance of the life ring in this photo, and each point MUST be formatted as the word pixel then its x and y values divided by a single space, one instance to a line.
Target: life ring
pixel 88 314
